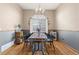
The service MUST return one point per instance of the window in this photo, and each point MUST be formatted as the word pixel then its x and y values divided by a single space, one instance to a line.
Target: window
pixel 38 21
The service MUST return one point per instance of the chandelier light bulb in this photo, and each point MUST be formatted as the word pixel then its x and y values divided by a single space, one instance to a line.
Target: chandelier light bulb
pixel 40 9
pixel 36 10
pixel 43 10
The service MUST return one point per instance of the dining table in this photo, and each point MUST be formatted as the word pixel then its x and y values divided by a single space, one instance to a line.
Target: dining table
pixel 37 41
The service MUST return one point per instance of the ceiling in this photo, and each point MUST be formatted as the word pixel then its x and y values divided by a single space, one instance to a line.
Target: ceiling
pixel 32 6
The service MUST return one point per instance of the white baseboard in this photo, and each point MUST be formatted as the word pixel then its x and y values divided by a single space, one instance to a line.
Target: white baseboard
pixel 6 46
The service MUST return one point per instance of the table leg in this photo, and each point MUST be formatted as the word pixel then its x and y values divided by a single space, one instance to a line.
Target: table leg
pixel 38 45
pixel 33 48
pixel 42 48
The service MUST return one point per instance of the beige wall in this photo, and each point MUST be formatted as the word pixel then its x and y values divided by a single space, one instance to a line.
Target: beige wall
pixel 28 13
pixel 67 17
pixel 51 18
pixel 26 20
pixel 10 15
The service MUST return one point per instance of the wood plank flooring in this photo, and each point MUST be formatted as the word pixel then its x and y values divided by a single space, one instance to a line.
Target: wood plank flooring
pixel 60 49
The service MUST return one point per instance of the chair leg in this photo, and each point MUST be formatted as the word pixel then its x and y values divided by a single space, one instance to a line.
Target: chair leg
pixel 23 46
pixel 43 52
pixel 54 48
pixel 50 43
pixel 46 48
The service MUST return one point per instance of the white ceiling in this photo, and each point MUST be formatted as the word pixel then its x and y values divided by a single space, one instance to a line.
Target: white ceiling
pixel 47 6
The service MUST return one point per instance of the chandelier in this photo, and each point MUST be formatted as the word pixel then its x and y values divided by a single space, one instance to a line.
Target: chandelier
pixel 39 10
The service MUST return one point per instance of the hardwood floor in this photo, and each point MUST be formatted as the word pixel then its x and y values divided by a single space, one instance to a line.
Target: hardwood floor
pixel 60 49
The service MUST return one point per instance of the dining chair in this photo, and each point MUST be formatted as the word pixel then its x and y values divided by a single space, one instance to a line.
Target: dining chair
pixel 26 41
pixel 50 39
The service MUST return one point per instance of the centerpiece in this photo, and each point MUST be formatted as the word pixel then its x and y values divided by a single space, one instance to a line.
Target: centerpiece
pixel 38 30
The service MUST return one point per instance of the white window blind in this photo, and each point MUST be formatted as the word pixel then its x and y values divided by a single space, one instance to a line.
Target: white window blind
pixel 38 21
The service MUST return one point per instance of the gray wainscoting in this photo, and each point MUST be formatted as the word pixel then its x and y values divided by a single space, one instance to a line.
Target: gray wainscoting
pixel 6 37
pixel 70 37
